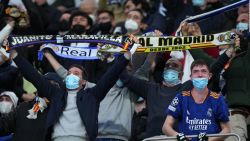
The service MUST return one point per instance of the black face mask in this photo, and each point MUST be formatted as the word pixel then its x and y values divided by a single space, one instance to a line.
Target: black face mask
pixel 77 29
pixel 64 25
pixel 105 27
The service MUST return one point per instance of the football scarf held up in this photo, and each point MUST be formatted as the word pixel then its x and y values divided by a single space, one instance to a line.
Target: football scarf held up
pixel 118 43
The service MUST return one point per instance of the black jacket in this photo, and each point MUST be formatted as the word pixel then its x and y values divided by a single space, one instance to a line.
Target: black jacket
pixel 24 129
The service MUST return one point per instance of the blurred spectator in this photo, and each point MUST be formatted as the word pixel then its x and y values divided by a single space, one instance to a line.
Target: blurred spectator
pixel 8 104
pixel 10 76
pixel 90 7
pixel 80 23
pixel 237 86
pixel 49 15
pixel 22 121
pixel 164 15
pixel 242 22
pixel 132 25
pixel 158 96
pixel 104 23
pixel 64 23
pixel 198 110
pixel 119 103
pixel 134 21
pixel 137 4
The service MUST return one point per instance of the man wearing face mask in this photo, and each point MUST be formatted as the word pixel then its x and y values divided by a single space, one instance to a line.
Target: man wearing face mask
pixel 105 22
pixel 73 112
pixel 158 96
pixel 199 111
pixel 237 89
pixel 8 103
pixel 80 23
pixel 132 24
pixel 242 23
pixel 27 121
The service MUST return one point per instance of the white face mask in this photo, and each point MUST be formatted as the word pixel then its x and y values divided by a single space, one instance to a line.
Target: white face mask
pixel 5 107
pixel 131 25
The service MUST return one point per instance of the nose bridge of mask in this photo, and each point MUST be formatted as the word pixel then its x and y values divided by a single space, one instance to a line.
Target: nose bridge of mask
pixel 72 81
pixel 74 77
pixel 172 73
pixel 171 77
pixel 200 83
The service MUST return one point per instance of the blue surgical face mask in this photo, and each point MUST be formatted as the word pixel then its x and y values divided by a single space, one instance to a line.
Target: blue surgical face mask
pixel 72 82
pixel 119 83
pixel 198 3
pixel 241 26
pixel 171 77
pixel 200 83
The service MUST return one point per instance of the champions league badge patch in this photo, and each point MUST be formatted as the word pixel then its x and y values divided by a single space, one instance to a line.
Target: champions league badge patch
pixel 173 104
pixel 175 101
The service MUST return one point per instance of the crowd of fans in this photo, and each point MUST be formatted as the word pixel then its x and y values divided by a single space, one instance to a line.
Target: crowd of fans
pixel 130 97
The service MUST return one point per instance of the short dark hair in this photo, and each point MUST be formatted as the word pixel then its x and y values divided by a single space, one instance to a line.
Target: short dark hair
pixel 110 13
pixel 145 5
pixel 139 11
pixel 199 62
pixel 84 72
pixel 80 13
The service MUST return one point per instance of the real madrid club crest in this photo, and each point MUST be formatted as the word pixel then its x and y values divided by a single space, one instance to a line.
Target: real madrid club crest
pixel 209 112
